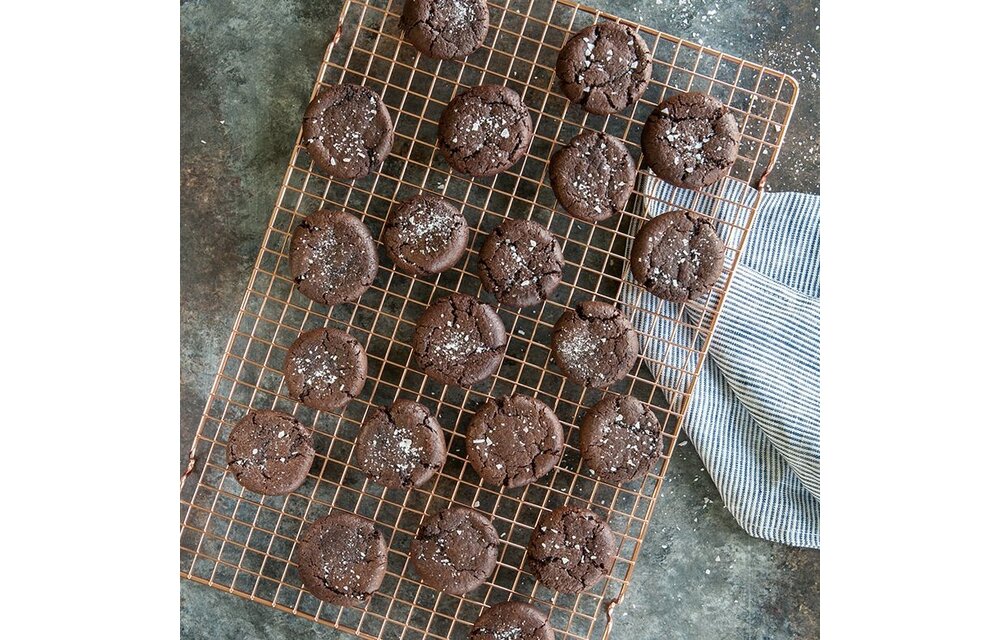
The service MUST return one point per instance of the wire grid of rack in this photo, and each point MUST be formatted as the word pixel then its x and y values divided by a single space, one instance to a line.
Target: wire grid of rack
pixel 241 542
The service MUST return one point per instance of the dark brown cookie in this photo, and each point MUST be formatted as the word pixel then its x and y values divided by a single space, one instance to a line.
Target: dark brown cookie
pixel 514 440
pixel 620 439
pixel 485 130
pixel 455 550
pixel 400 447
pixel 459 340
pixel 604 67
pixel 269 452
pixel 445 29
pixel 325 368
pixel 520 263
pixel 677 256
pixel 347 131
pixel 342 559
pixel 691 140
pixel 512 621
pixel 332 257
pixel 593 176
pixel 571 549
pixel 595 344
pixel 425 235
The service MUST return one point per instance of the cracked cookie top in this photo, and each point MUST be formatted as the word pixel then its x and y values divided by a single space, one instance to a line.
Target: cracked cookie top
pixel 691 140
pixel 269 452
pixel 677 256
pixel 325 368
pixel 400 447
pixel 604 67
pixel 425 235
pixel 445 29
pixel 455 550
pixel 512 620
pixel 485 130
pixel 620 439
pixel 593 176
pixel 347 131
pixel 520 263
pixel 459 340
pixel 342 559
pixel 332 257
pixel 514 440
pixel 595 344
pixel 571 549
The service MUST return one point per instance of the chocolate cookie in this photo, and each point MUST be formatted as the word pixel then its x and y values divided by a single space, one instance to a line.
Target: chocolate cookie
pixel 571 549
pixel 512 621
pixel 269 452
pixel 620 439
pixel 485 130
pixel 325 368
pixel 455 550
pixel 347 131
pixel 400 447
pixel 332 257
pixel 592 176
pixel 691 140
pixel 520 263
pixel 595 344
pixel 445 29
pixel 342 559
pixel 604 67
pixel 677 256
pixel 459 340
pixel 514 440
pixel 425 235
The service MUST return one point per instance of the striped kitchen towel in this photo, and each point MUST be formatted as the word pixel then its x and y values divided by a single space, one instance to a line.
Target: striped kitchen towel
pixel 754 413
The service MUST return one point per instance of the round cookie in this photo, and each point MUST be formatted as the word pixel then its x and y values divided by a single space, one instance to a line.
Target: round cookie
pixel 513 440
pixel 593 176
pixel 691 140
pixel 445 29
pixel 677 256
pixel 520 263
pixel 347 131
pixel 459 340
pixel 342 559
pixel 425 235
pixel 325 368
pixel 332 257
pixel 455 550
pixel 604 67
pixel 620 439
pixel 571 549
pixel 400 447
pixel 269 452
pixel 595 344
pixel 512 620
pixel 485 130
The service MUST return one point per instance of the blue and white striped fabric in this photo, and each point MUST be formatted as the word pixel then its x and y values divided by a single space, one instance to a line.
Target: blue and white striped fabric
pixel 754 413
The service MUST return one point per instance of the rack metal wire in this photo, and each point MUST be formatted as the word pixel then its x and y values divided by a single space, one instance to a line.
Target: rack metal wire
pixel 242 543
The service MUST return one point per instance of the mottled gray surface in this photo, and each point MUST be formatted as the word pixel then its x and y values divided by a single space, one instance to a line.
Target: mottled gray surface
pixel 247 68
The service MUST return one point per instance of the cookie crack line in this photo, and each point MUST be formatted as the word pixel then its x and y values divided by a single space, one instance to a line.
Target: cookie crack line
pixel 464 565
pixel 452 48
pixel 502 467
pixel 534 464
pixel 706 159
pixel 333 104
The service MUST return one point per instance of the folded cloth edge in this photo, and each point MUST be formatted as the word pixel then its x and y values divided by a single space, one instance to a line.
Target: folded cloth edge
pixel 781 252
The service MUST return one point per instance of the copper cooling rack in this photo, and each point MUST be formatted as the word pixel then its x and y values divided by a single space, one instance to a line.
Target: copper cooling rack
pixel 240 542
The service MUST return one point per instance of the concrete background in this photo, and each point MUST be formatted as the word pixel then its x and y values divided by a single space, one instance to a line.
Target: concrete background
pixel 247 68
